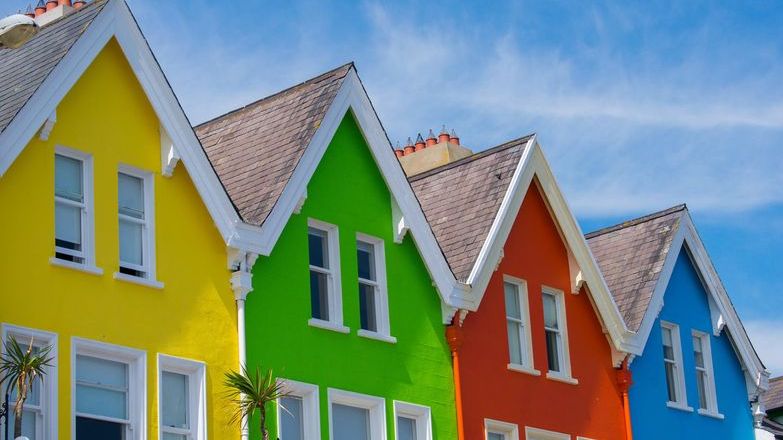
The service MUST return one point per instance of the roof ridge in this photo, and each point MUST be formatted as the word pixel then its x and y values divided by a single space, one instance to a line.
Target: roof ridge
pixel 637 221
pixel 313 80
pixel 472 157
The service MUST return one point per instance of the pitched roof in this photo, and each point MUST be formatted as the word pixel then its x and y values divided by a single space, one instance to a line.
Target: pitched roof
pixel 24 69
pixel 256 148
pixel 631 256
pixel 773 398
pixel 462 199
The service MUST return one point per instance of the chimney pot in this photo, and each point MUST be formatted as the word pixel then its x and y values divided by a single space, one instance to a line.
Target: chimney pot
pixel 40 8
pixel 64 2
pixel 454 138
pixel 51 4
pixel 420 144
pixel 29 12
pixel 78 3
pixel 444 135
pixel 431 139
pixel 399 153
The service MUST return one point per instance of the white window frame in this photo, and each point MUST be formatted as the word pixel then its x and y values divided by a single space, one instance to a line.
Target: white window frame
pixel 420 413
pixel 46 412
pixel 136 360
pixel 381 291
pixel 528 366
pixel 544 434
pixel 375 405
pixel 563 349
pixel 87 253
pixel 148 232
pixel 335 291
pixel 196 372
pixel 682 396
pixel 311 411
pixel 709 383
pixel 510 430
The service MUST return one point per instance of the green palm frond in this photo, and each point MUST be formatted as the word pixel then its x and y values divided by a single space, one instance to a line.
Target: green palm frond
pixel 20 366
pixel 250 392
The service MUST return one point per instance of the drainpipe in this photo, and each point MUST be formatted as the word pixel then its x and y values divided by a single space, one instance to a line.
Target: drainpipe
pixel 624 380
pixel 455 337
pixel 242 285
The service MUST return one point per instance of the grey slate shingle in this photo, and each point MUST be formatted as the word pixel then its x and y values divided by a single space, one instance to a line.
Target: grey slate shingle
pixel 256 148
pixel 773 399
pixel 631 257
pixel 24 69
pixel 461 200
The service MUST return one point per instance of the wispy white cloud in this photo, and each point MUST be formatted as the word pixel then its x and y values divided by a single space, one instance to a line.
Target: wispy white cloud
pixel 767 336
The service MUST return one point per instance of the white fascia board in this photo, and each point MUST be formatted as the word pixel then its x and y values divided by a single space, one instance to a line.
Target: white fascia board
pixel 534 164
pixel 352 97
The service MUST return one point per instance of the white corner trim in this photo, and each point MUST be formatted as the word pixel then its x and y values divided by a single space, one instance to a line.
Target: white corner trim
pixel 48 126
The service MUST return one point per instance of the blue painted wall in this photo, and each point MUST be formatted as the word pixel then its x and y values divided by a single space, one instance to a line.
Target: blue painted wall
pixel 685 304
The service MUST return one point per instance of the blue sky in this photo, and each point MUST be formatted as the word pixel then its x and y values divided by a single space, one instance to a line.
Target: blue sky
pixel 638 105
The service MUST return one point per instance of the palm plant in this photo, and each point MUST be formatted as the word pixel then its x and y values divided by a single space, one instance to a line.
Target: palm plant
pixel 250 393
pixel 20 368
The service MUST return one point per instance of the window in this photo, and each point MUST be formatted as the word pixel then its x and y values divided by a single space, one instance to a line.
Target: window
pixel 73 216
pixel 543 434
pixel 672 360
pixel 412 422
pixel 39 416
pixel 181 398
pixel 705 383
pixel 135 205
pixel 556 334
pixel 325 291
pixel 109 389
pixel 373 300
pixel 497 430
pixel 517 326
pixel 355 416
pixel 298 414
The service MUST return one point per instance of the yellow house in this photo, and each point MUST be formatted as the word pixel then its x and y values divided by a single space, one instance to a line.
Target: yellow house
pixel 114 252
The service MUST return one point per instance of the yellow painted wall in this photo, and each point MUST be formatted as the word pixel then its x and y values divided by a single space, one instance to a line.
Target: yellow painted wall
pixel 107 115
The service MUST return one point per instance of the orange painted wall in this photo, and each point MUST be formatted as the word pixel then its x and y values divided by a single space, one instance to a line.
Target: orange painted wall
pixel 535 252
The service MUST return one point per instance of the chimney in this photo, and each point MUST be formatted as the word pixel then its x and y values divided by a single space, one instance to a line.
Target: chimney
pixel 50 4
pixel 40 8
pixel 78 3
pixel 29 12
pixel 53 10
pixel 432 153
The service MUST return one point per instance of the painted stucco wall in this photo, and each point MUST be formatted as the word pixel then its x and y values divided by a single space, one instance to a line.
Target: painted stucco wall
pixel 535 253
pixel 106 114
pixel 348 190
pixel 685 304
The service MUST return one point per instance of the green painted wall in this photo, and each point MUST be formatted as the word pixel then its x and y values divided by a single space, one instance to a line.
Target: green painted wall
pixel 348 190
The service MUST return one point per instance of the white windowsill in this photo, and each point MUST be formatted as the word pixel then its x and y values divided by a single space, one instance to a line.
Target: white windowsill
pixel 92 270
pixel 377 336
pixel 138 280
pixel 523 369
pixel 679 406
pixel 713 414
pixel 562 378
pixel 328 325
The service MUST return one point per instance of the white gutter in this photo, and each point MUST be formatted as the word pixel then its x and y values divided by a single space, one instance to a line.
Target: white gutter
pixel 242 285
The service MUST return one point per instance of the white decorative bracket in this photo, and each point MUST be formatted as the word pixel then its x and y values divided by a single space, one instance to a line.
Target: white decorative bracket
pixel 168 154
pixel 300 203
pixel 618 357
pixel 241 264
pixel 577 279
pixel 450 312
pixel 716 316
pixel 401 227
pixel 500 259
pixel 47 127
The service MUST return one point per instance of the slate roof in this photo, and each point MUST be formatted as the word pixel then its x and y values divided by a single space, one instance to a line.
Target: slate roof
pixel 24 69
pixel 631 256
pixel 256 148
pixel 461 200
pixel 773 427
pixel 773 398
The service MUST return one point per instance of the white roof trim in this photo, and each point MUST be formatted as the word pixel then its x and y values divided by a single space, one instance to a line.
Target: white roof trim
pixel 353 97
pixel 534 164
pixel 719 301
pixel 116 20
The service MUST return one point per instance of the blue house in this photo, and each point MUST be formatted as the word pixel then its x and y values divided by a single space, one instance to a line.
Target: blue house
pixel 695 372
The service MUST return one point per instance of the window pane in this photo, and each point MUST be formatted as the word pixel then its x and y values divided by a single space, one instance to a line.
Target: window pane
pixel 512 301
pixel 406 428
pixel 367 310
pixel 89 429
pixel 68 226
pixel 349 423
pixel 670 382
pixel 131 195
pixel 101 372
pixel 668 348
pixel 701 384
pixel 68 178
pixel 552 351
pixel 174 400
pixel 318 248
pixel 292 415
pixel 101 387
pixel 131 247
pixel 366 261
pixel 698 353
pixel 33 394
pixel 170 436
pixel 514 343
pixel 496 436
pixel 28 424
pixel 550 311
pixel 101 402
pixel 319 295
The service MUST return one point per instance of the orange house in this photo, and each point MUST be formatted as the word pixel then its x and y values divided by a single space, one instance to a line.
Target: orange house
pixel 540 357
